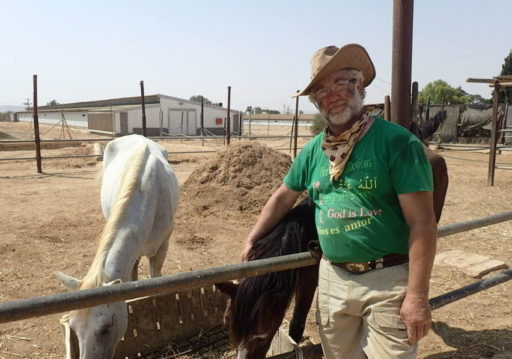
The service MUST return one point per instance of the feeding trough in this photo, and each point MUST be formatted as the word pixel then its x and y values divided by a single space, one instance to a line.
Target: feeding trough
pixel 187 320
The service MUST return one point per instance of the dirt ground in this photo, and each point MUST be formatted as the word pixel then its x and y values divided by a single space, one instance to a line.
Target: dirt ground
pixel 50 222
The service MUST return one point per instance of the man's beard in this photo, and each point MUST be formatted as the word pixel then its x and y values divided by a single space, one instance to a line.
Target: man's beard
pixel 350 109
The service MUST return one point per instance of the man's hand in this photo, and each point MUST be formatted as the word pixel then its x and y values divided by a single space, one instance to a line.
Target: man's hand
pixel 417 316
pixel 245 251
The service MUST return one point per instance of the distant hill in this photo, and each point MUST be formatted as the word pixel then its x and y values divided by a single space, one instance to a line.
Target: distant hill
pixel 7 108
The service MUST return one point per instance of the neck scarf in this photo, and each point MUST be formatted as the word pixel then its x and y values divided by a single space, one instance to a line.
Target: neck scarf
pixel 338 148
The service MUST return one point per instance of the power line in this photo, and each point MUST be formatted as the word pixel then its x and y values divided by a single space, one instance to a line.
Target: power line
pixel 386 82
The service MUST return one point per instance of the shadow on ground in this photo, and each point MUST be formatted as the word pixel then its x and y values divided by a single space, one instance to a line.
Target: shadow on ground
pixel 493 343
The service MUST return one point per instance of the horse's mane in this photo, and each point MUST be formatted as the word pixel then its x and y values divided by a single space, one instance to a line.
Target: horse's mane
pixel 288 237
pixel 129 182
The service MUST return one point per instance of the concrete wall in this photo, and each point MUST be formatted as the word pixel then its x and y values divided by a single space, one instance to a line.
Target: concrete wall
pixel 78 119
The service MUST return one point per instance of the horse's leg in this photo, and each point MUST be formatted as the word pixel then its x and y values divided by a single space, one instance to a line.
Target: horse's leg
pixel 308 281
pixel 135 269
pixel 440 174
pixel 157 261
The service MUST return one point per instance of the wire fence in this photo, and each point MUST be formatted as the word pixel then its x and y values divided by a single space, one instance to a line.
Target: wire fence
pixel 209 138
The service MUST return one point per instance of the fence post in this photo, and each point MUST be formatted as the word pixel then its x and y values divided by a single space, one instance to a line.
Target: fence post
pixel 240 123
pixel 427 111
pixel 403 11
pixel 228 123
pixel 250 120
pixel 202 121
pixel 387 108
pixel 296 126
pixel 492 144
pixel 144 133
pixel 414 102
pixel 37 140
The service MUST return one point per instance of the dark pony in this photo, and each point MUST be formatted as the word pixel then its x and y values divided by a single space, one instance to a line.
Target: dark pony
pixel 439 169
pixel 257 305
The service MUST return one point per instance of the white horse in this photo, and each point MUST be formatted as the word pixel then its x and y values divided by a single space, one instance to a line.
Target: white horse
pixel 139 197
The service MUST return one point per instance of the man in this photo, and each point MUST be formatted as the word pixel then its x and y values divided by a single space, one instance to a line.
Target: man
pixel 372 186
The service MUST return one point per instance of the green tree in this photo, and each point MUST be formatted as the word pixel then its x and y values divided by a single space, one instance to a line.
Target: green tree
pixel 319 124
pixel 197 98
pixel 52 103
pixel 440 91
pixel 506 69
pixel 258 110
pixel 249 109
pixel 480 99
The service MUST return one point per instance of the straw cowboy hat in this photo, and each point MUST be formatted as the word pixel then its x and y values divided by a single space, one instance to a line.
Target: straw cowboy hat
pixel 331 59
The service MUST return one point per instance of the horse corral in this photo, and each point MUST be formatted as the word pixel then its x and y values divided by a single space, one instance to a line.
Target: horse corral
pixel 50 222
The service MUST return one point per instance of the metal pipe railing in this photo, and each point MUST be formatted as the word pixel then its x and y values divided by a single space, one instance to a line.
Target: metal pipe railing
pixel 454 228
pixel 150 137
pixel 82 156
pixel 62 302
pixel 470 289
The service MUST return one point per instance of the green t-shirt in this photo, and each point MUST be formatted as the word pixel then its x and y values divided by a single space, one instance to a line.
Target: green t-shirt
pixel 358 217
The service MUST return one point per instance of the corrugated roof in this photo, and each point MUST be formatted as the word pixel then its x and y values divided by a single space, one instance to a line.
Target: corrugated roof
pixel 123 101
pixel 47 109
pixel 116 102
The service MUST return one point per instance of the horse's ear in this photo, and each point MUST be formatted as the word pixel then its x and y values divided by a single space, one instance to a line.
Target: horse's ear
pixel 70 282
pixel 228 288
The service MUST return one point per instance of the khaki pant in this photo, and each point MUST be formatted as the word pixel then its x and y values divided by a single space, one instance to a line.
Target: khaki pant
pixel 359 314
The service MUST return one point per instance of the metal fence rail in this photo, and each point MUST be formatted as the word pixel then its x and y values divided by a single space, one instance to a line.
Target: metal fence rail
pixel 151 137
pixel 62 302
pixel 174 137
pixel 454 228
pixel 472 288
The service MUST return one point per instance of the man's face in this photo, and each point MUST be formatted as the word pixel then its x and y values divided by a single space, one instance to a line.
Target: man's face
pixel 339 97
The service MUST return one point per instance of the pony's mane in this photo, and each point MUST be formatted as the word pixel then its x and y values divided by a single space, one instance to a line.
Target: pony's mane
pixel 290 236
pixel 129 182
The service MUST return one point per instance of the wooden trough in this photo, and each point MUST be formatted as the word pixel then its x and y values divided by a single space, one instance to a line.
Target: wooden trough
pixel 186 321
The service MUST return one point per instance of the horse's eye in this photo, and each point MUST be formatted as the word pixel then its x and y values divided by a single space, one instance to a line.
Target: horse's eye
pixel 105 329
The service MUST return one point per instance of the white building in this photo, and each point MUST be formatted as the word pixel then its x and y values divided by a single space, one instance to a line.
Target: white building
pixel 165 115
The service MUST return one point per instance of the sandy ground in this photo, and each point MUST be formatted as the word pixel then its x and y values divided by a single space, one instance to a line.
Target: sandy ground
pixel 50 222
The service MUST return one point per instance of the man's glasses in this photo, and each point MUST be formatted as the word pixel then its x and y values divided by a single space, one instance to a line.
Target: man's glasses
pixel 339 85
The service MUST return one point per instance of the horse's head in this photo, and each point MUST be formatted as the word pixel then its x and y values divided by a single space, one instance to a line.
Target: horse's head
pixel 252 319
pixel 96 330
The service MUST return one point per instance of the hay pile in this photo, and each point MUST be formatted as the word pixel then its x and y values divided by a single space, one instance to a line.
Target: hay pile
pixel 239 178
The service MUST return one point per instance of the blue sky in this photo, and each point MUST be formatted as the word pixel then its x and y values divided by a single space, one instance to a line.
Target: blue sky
pixel 92 50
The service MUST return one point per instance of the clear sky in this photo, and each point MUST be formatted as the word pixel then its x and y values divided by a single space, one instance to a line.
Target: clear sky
pixel 94 50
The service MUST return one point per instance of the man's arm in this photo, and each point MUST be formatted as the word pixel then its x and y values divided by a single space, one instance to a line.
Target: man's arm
pixel 419 215
pixel 274 210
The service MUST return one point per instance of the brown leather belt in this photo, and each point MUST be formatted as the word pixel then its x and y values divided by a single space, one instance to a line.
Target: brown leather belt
pixel 363 267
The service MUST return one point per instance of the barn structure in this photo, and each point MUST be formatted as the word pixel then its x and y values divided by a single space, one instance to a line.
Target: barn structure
pixel 472 124
pixel 165 115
